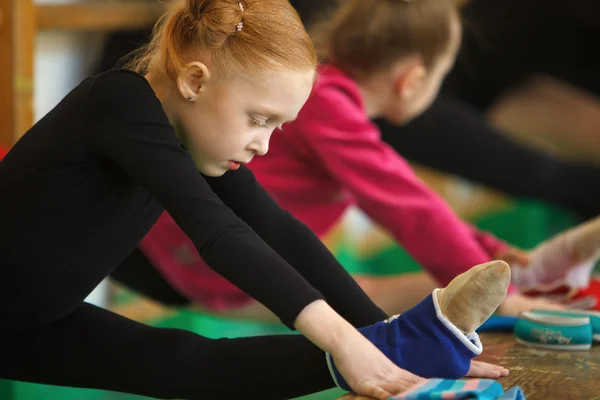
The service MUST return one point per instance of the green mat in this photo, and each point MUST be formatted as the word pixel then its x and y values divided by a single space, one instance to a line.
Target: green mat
pixel 524 224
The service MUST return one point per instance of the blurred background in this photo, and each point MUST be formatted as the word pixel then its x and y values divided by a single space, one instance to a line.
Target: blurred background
pixel 47 47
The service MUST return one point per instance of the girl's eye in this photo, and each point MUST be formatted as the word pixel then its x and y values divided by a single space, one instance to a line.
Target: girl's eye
pixel 259 123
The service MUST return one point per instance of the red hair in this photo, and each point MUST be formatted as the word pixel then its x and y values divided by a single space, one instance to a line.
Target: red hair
pixel 248 35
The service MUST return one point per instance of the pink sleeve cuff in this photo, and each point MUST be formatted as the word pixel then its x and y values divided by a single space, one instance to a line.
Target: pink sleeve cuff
pixel 490 243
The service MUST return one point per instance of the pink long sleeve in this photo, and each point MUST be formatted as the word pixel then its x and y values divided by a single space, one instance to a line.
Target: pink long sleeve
pixel 385 187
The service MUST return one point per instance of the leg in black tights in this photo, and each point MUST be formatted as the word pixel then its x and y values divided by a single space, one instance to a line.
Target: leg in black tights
pixel 541 38
pixel 100 349
pixel 453 137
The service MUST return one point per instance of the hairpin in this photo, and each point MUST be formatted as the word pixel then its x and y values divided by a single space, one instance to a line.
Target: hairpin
pixel 240 25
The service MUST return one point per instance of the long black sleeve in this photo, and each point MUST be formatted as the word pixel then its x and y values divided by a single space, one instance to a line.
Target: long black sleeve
pixel 487 156
pixel 297 244
pixel 134 132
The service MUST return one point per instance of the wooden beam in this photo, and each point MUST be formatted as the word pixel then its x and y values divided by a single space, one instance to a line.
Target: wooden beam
pixel 25 34
pixel 17 34
pixel 7 55
pixel 98 15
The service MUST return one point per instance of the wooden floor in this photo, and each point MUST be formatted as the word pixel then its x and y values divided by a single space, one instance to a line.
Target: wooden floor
pixel 545 374
pixel 542 374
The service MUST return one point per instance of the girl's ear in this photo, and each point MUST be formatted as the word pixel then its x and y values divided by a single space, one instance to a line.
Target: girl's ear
pixel 192 79
pixel 409 80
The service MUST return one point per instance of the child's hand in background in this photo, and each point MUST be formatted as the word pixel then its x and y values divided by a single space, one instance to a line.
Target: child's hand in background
pixel 514 256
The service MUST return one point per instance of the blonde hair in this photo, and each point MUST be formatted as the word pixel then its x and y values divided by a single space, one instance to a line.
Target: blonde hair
pixel 247 35
pixel 364 36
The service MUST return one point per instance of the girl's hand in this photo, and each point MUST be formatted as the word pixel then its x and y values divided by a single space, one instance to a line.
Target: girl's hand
pixel 514 256
pixel 480 369
pixel 370 373
pixel 366 369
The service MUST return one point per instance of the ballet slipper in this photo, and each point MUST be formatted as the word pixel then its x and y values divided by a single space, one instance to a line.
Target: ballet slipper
pixel 472 297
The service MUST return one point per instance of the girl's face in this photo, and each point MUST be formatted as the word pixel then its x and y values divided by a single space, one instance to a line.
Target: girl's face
pixel 226 122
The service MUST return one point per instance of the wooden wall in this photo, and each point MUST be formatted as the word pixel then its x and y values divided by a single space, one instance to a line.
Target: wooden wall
pixel 21 20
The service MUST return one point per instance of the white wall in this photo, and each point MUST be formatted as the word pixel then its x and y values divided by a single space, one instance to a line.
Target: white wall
pixel 62 61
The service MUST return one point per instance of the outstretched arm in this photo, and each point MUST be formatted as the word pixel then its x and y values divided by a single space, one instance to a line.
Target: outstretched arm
pixel 348 145
pixel 297 244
